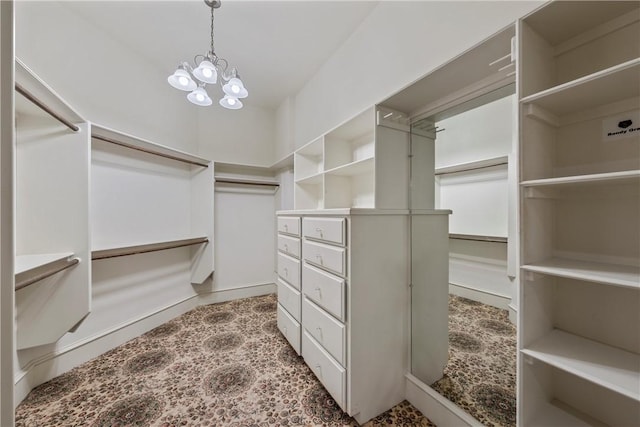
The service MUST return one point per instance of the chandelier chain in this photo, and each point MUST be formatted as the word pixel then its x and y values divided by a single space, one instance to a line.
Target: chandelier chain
pixel 212 50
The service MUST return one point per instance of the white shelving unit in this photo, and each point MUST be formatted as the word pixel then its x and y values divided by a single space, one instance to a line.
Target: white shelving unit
pixel 147 197
pixel 359 164
pixel 52 260
pixel 580 203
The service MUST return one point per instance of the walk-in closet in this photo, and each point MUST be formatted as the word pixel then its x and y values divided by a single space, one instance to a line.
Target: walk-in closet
pixel 354 213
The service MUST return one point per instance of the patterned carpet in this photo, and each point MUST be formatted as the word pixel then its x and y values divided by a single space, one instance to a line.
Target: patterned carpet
pixel 218 365
pixel 481 374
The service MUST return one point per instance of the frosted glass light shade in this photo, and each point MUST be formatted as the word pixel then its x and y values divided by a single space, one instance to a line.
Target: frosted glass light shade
pixel 231 103
pixel 182 80
pixel 206 72
pixel 235 88
pixel 200 97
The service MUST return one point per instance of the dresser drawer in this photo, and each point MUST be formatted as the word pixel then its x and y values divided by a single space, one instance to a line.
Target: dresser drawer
pixel 325 289
pixel 289 245
pixel 331 230
pixel 332 258
pixel 329 372
pixel 289 298
pixel 289 269
pixel 289 225
pixel 327 331
pixel 289 328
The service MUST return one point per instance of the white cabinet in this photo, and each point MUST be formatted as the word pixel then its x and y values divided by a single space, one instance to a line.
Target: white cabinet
pixel 354 326
pixel 52 250
pixel 288 281
pixel 580 203
pixel 363 163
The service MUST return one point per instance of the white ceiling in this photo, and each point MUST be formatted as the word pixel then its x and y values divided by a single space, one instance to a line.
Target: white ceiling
pixel 276 45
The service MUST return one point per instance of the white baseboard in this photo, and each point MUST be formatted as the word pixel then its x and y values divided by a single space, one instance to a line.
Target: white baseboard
pixel 488 298
pixel 61 360
pixel 236 293
pixel 441 411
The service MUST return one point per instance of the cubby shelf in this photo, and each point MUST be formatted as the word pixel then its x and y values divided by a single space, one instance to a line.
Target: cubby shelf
pixel 603 87
pixel 608 274
pixel 556 413
pixel 311 179
pixel 607 366
pixel 354 168
pixel 618 177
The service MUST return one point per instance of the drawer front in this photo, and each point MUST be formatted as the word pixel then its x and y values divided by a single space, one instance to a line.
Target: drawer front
pixel 289 245
pixel 289 328
pixel 325 289
pixel 289 225
pixel 289 298
pixel 327 331
pixel 329 372
pixel 330 257
pixel 327 229
pixel 289 270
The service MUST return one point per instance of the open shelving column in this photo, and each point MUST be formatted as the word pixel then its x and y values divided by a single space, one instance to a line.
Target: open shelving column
pixel 52 259
pixel 579 344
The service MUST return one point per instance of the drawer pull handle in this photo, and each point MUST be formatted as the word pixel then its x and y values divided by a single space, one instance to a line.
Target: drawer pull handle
pixel 319 329
pixel 318 291
pixel 286 227
pixel 319 231
pixel 286 271
pixel 319 259
pixel 285 330
pixel 286 247
pixel 319 368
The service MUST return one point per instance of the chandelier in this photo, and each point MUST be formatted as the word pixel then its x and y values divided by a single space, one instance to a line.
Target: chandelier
pixel 207 69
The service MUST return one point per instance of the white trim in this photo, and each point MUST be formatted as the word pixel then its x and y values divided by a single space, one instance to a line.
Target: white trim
pixel 436 407
pixel 237 293
pixel 485 297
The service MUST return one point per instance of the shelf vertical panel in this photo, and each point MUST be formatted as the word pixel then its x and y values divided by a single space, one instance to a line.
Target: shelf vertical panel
pixel 392 168
pixel 422 171
pixel 202 204
pixel 52 215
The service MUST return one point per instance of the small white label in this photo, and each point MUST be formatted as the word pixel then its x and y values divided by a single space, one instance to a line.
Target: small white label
pixel 621 126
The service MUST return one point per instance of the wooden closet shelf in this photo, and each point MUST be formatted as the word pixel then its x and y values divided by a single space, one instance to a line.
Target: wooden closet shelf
pixel 621 176
pixel 607 274
pixel 598 363
pixel 30 269
pixel 151 247
pixel 128 141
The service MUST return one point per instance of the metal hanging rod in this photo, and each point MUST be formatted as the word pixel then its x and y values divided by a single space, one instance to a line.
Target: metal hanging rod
pixel 24 279
pixel 141 249
pixel 478 238
pixel 245 182
pixel 45 108
pixel 144 150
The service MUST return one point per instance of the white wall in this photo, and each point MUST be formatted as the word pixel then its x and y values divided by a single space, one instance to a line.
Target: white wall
pixel 243 136
pixel 394 46
pixel 284 143
pixel 101 78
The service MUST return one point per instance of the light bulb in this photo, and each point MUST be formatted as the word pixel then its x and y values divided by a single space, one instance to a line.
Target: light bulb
pixel 200 97
pixel 235 88
pixel 183 80
pixel 207 72
pixel 231 101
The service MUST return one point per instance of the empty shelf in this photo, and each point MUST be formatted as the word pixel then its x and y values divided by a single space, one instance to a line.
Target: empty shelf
pixel 354 168
pixel 33 268
pixel 311 179
pixel 608 274
pixel 604 87
pixel 606 366
pixel 151 247
pixel 556 413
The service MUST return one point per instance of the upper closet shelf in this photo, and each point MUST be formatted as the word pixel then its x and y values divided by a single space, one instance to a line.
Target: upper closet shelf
pixel 109 135
pixel 32 268
pixel 604 87
pixel 601 364
pixel 622 176
pixel 28 84
pixel 470 166
pixel 608 274
pixel 316 178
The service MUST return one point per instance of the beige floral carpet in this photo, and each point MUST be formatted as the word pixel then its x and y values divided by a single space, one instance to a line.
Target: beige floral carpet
pixel 480 376
pixel 217 365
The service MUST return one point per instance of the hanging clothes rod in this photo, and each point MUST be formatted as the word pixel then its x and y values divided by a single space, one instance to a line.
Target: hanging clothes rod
pixel 148 151
pixel 24 279
pixel 478 238
pixel 246 182
pixel 45 108
pixel 141 249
